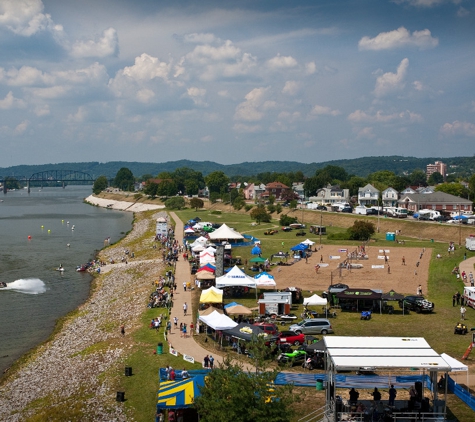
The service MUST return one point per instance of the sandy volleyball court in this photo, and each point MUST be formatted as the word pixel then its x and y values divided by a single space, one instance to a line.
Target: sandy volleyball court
pixel 401 278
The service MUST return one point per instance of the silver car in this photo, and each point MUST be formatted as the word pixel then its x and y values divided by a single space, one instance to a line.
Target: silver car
pixel 312 326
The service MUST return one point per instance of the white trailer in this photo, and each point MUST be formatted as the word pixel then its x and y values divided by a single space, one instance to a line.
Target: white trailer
pixel 469 296
pixel 470 243
pixel 360 209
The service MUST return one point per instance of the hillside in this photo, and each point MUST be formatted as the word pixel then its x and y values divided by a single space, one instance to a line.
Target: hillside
pixel 462 166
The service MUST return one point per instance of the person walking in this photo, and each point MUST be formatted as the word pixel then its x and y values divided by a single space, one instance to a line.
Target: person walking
pixel 184 286
pixel 389 269
pixel 211 361
pixel 392 395
pixel 206 361
pixel 175 322
pixel 462 312
pixel 403 260
pixel 185 308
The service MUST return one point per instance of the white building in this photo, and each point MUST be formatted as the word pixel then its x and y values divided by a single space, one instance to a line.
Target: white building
pixel 368 195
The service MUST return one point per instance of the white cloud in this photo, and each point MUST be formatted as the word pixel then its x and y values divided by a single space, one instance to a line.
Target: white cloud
pixel 31 76
pixel 51 93
pixel 290 117
pixel 364 133
pixel 78 117
pixel 225 61
pixel 249 110
pixel 21 127
pixel 282 62
pixel 390 82
pixel 462 12
pixel 319 110
pixel 399 38
pixel 197 94
pixel 310 68
pixel 380 117
pixel 26 18
pixel 458 128
pixel 242 128
pixel 291 88
pixel 107 45
pixel 10 102
pixel 42 110
pixel 145 70
pixel 145 95
pixel 426 3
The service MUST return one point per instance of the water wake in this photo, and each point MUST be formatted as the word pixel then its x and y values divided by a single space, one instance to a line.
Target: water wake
pixel 29 286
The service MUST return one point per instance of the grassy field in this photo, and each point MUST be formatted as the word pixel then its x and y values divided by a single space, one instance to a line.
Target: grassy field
pixel 437 328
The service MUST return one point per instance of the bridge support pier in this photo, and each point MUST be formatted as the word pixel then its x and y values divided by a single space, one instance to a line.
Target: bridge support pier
pixel 64 185
pixel 4 187
pixel 28 186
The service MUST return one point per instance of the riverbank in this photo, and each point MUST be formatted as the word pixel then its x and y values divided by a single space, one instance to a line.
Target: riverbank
pixel 122 205
pixel 73 375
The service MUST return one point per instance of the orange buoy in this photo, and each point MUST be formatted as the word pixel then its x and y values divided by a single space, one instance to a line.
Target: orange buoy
pixel 29 237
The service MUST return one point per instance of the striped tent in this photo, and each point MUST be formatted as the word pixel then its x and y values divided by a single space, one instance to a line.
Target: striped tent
pixel 179 394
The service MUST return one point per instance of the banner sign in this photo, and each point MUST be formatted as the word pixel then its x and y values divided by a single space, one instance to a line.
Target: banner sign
pixel 335 257
pixel 190 359
pixel 173 352
pixel 377 266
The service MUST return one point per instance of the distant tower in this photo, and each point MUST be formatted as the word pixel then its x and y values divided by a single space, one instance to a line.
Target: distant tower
pixel 438 166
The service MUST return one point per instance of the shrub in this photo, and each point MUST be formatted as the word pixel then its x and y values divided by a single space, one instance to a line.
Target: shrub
pixel 285 220
pixel 248 207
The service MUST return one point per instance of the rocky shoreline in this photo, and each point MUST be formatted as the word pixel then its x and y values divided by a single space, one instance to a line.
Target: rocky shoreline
pixel 76 367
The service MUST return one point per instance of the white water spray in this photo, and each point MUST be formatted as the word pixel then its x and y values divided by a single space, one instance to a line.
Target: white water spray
pixel 29 286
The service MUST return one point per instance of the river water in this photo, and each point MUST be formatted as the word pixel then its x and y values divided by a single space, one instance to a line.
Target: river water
pixel 36 294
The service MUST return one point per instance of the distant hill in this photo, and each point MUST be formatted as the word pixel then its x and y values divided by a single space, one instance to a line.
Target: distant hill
pixel 463 166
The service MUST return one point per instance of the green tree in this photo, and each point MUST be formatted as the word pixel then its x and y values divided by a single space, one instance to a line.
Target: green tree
pixel 167 187
pixel 260 214
pixel 239 202
pixel 353 184
pixel 435 178
pixel 230 394
pixel 11 182
pixel 293 204
pixel 100 184
pixel 418 178
pixel 150 188
pixel 471 186
pixel 124 179
pixel 175 203
pixel 217 182
pixel 286 220
pixel 361 230
pixel 196 203
pixel 456 189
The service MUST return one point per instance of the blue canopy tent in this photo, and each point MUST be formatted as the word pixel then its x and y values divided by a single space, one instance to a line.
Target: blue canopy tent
pixel 229 305
pixel 299 247
pixel 179 394
pixel 256 250
pixel 460 217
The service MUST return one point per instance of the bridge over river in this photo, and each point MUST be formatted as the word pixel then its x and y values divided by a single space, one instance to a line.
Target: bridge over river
pixel 49 176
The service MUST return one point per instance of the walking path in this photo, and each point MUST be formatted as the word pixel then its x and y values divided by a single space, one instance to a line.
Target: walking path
pixel 467 266
pixel 186 346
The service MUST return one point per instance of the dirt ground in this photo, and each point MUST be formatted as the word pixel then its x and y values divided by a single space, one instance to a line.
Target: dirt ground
pixel 401 278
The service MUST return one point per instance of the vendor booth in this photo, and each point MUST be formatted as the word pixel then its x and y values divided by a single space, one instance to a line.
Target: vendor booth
pixel 357 300
pixel 234 278
pixel 211 295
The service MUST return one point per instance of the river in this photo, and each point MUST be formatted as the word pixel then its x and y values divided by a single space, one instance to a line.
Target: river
pixel 35 231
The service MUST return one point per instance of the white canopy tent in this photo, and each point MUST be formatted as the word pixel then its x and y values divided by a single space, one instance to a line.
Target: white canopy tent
pixel 236 277
pixel 225 232
pixel 456 366
pixel 308 242
pixel 217 321
pixel 200 241
pixel 315 300
pixel 265 280
pixel 383 354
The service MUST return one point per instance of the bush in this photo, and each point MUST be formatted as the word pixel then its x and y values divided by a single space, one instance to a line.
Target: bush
pixel 176 203
pixel 278 208
pixel 361 230
pixel 285 220
pixel 271 208
pixel 216 212
pixel 248 207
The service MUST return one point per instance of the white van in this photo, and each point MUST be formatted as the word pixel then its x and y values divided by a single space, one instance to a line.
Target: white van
pixel 469 296
pixel 361 209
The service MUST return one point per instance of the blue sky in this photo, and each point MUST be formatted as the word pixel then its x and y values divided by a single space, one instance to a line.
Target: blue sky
pixel 234 81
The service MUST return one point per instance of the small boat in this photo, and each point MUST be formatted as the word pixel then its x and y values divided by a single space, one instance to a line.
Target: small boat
pixel 3 284
pixel 81 268
pixel 60 269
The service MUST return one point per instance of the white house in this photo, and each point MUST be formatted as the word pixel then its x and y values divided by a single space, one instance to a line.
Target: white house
pixel 368 195
pixel 390 197
pixel 331 195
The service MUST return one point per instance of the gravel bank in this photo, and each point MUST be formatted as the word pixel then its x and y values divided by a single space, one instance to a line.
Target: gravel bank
pixel 69 369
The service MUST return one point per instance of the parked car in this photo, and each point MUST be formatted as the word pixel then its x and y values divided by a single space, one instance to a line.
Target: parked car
pixel 286 229
pixel 347 209
pixel 417 304
pixel 371 211
pixel 321 208
pixel 268 327
pixel 291 337
pixel 312 326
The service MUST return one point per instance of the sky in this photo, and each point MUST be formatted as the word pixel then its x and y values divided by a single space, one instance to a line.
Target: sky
pixel 235 81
